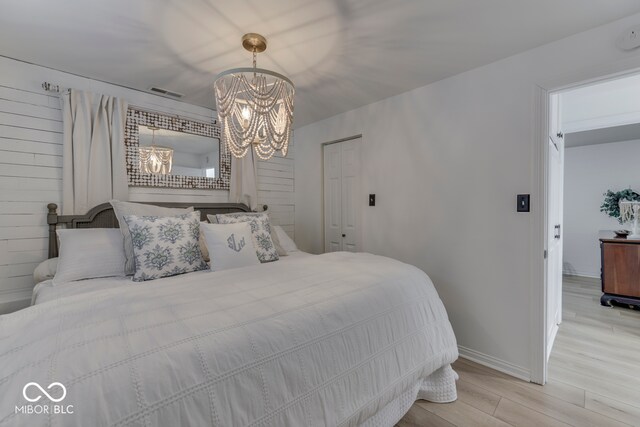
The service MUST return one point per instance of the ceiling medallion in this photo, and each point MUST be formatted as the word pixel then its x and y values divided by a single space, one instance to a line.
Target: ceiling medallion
pixel 255 106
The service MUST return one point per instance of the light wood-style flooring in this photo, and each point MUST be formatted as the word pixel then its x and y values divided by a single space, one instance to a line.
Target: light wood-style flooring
pixel 594 375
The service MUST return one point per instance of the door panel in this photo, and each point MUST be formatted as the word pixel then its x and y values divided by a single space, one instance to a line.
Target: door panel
pixel 332 198
pixel 351 194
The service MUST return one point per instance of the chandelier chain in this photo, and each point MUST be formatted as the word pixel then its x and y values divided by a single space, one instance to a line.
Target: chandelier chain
pixel 255 63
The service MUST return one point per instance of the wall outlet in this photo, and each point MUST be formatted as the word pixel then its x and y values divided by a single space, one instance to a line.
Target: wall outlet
pixel 372 199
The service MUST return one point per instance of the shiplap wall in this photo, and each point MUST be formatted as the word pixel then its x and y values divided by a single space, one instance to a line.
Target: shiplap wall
pixel 31 169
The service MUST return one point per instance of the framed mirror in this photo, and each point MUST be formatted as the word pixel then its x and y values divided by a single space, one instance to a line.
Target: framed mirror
pixel 173 152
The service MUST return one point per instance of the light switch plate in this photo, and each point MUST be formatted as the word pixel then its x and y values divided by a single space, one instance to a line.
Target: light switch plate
pixel 523 202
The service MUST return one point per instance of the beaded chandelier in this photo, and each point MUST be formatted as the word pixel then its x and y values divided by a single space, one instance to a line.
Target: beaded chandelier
pixel 154 158
pixel 255 106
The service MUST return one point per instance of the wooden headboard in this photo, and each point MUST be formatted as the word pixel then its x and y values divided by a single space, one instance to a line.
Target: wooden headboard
pixel 102 216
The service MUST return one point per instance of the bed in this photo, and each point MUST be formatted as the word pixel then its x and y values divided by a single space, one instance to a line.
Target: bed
pixel 335 339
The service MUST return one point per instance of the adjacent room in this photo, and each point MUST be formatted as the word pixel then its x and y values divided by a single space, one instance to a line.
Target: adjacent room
pixel 596 303
pixel 319 213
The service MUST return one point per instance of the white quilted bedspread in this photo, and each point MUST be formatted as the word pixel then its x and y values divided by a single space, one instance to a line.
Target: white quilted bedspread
pixel 331 340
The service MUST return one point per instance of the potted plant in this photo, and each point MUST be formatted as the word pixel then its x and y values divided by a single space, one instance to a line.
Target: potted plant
pixel 611 203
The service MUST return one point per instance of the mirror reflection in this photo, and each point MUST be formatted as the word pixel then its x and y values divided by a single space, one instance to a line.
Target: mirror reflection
pixel 193 155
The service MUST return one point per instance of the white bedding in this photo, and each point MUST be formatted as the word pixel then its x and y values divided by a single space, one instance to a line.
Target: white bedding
pixel 47 291
pixel 334 339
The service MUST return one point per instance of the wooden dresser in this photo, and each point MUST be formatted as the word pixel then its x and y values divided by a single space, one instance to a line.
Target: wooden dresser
pixel 620 269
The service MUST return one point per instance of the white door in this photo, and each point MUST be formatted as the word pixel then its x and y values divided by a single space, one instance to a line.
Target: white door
pixel 332 198
pixel 351 199
pixel 342 198
pixel 554 222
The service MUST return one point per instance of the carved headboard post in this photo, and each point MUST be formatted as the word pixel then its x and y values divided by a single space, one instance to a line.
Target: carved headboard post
pixel 52 220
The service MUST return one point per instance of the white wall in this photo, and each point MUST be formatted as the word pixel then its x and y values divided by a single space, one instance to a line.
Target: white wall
pixel 611 103
pixel 31 162
pixel 446 162
pixel 589 172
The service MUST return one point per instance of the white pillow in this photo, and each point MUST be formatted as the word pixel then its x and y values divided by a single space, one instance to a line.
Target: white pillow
pixel 285 241
pixel 260 229
pixel 89 253
pixel 229 245
pixel 45 270
pixel 139 209
pixel 264 216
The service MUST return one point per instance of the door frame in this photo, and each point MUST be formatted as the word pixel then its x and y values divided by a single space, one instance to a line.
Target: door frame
pixel 539 197
pixel 324 144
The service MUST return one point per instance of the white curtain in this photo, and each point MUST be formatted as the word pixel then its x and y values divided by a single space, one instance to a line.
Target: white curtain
pixel 93 169
pixel 244 176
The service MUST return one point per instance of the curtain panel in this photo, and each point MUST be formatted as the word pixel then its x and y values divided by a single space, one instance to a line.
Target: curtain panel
pixel 94 169
pixel 243 187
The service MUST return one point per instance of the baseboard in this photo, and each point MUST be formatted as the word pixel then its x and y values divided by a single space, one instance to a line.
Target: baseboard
pixel 494 363
pixel 581 274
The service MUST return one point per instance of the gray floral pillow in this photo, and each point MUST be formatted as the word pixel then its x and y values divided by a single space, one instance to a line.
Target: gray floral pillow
pixel 260 232
pixel 165 246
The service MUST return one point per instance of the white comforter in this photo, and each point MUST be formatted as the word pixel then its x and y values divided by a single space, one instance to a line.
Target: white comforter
pixel 335 339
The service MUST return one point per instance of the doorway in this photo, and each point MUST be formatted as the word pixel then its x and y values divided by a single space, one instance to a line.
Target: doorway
pixel 342 201
pixel 593 144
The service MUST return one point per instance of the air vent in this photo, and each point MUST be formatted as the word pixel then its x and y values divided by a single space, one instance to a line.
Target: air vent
pixel 166 92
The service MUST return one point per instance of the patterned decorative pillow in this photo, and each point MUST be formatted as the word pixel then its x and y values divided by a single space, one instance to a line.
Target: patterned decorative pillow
pixel 165 246
pixel 260 232
pixel 120 209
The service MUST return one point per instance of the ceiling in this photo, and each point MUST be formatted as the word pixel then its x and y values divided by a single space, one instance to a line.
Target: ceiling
pixel 341 54
pixel 603 135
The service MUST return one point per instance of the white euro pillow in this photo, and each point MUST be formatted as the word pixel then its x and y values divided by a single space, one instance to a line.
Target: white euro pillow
pixel 89 253
pixel 230 245
pixel 285 241
pixel 46 270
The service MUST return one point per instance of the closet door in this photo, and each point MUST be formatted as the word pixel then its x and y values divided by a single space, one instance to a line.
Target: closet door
pixel 332 198
pixel 350 195
pixel 342 198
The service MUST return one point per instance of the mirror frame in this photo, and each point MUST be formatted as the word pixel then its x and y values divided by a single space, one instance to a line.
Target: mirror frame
pixel 137 118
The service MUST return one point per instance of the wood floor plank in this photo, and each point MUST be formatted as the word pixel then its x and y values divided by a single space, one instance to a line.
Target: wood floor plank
pixel 555 389
pixel 599 349
pixel 420 417
pixel 595 385
pixel 477 397
pixel 520 416
pixel 613 408
pixel 462 414
pixel 537 400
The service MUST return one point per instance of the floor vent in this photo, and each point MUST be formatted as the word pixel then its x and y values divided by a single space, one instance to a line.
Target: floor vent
pixel 166 92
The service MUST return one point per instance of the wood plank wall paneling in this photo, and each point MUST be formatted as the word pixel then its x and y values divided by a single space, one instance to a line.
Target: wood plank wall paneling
pixel 31 169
